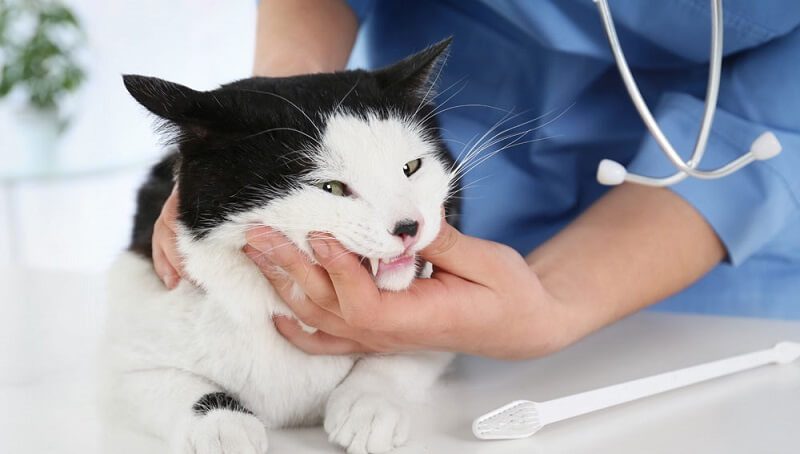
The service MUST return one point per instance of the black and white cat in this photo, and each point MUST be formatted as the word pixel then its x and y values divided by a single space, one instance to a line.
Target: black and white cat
pixel 357 154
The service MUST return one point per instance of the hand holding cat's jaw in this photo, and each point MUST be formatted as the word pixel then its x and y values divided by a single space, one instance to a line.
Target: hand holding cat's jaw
pixel 482 299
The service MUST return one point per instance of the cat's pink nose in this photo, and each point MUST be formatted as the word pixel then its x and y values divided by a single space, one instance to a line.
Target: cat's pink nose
pixel 407 230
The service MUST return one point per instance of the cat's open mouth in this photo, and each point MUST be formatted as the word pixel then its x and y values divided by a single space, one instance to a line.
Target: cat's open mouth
pixel 377 266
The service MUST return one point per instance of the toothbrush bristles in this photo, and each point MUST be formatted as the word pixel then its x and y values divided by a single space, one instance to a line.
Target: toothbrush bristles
pixel 519 419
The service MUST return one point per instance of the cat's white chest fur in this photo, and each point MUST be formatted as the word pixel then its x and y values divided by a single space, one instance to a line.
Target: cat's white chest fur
pixel 165 350
pixel 193 331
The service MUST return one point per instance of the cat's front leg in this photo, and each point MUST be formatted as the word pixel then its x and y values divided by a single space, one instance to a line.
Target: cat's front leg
pixel 191 414
pixel 220 425
pixel 367 412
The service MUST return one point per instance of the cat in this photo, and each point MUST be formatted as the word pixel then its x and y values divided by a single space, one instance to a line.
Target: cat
pixel 357 154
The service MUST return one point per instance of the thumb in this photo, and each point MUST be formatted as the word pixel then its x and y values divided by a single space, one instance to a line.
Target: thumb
pixel 465 256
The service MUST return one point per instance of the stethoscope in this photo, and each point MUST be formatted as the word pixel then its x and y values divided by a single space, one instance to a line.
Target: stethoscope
pixel 611 172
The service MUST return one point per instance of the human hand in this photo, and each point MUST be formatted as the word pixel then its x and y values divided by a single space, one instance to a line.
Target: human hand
pixel 482 299
pixel 166 259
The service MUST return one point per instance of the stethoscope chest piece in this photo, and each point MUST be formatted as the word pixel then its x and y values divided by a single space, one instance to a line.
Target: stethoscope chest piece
pixel 609 172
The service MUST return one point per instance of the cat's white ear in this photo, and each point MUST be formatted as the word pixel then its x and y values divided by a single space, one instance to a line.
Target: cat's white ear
pixel 417 73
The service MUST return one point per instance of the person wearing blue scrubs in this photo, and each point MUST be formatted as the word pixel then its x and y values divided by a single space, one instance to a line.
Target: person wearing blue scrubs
pixel 552 58
pixel 728 246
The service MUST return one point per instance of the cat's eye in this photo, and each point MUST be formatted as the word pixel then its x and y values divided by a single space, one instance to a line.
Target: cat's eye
pixel 334 187
pixel 411 167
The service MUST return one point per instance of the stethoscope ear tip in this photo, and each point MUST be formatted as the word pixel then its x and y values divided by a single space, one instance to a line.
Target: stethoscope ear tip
pixel 766 146
pixel 611 173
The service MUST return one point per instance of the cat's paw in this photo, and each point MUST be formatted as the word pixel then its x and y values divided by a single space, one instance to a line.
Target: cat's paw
pixel 365 422
pixel 222 432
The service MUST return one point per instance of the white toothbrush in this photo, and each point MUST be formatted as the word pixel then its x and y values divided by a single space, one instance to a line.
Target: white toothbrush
pixel 523 418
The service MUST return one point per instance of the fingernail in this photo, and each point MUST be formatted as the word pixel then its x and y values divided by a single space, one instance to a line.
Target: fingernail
pixel 320 245
pixel 285 321
pixel 170 280
pixel 260 258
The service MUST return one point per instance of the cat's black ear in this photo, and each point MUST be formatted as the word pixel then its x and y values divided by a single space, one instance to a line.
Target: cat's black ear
pixel 415 74
pixel 168 100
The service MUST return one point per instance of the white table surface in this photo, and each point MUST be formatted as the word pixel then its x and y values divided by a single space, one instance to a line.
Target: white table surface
pixel 49 323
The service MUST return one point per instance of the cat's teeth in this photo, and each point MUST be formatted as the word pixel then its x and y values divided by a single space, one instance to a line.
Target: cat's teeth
pixel 373 263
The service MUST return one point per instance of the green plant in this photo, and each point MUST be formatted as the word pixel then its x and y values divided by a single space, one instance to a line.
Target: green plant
pixel 38 42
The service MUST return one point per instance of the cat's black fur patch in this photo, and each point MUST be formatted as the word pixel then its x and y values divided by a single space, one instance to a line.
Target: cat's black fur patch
pixel 149 201
pixel 243 143
pixel 218 401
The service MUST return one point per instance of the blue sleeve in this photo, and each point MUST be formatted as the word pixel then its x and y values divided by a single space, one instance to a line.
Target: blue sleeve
pixel 746 24
pixel 362 8
pixel 759 92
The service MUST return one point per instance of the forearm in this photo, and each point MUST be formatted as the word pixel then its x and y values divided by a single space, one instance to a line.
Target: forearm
pixel 634 247
pixel 303 36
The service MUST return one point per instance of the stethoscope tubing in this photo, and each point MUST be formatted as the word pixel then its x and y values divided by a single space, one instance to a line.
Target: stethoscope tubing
pixel 684 169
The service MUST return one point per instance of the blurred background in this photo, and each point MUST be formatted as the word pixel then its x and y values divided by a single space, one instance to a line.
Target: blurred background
pixel 74 147
pixel 73 144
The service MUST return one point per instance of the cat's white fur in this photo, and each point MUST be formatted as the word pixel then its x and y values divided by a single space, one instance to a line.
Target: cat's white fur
pixel 166 349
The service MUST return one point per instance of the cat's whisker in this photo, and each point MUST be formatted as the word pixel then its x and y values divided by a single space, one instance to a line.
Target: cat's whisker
pixel 459 106
pixel 507 117
pixel 513 145
pixel 510 117
pixel 494 140
pixel 471 185
pixel 463 150
pixel 289 102
pixel 472 165
pixel 339 104
pixel 466 162
pixel 480 144
pixel 451 96
pixel 267 131
pixel 449 87
pixel 440 62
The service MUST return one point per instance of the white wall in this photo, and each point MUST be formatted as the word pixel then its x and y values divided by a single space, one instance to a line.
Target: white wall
pixel 80 223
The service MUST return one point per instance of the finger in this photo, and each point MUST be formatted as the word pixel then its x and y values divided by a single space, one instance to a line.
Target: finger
pixel 318 343
pixel 471 258
pixel 403 315
pixel 357 295
pixel 280 252
pixel 280 280
pixel 166 258
pixel 290 293
pixel 169 244
pixel 165 271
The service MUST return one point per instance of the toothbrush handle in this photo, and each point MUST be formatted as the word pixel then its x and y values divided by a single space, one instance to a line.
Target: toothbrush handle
pixel 598 399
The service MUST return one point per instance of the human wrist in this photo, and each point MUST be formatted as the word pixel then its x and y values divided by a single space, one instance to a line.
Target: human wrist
pixel 557 321
pixel 291 65
pixel 567 316
pixel 303 36
pixel 533 323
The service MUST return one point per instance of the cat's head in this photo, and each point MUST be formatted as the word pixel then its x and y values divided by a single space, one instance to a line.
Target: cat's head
pixel 356 154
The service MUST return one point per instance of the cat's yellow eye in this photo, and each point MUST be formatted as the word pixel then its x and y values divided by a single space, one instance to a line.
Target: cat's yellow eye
pixel 411 167
pixel 334 187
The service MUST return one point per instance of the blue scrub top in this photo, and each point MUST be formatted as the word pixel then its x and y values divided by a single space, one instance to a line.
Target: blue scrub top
pixel 551 58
